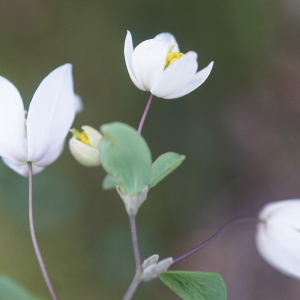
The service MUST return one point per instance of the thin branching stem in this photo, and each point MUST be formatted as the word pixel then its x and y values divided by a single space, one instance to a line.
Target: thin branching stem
pixel 234 221
pixel 133 287
pixel 33 236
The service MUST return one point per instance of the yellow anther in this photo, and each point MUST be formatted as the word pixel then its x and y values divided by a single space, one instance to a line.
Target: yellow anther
pixel 169 56
pixel 172 57
pixel 81 136
pixel 173 60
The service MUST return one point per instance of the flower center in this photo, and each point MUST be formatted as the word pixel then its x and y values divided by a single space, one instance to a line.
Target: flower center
pixel 81 136
pixel 172 57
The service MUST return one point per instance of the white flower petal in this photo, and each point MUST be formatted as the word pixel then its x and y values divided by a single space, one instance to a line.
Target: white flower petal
pixel 168 38
pixel 84 154
pixel 22 169
pixel 12 125
pixel 51 155
pixel 148 61
pixel 280 247
pixel 94 136
pixel 128 51
pixel 194 83
pixel 176 75
pixel 285 212
pixel 51 113
pixel 78 104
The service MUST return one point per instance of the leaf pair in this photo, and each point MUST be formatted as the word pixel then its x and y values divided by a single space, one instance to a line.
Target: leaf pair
pixel 127 159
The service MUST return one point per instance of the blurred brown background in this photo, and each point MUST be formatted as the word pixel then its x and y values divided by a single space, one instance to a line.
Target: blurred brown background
pixel 240 132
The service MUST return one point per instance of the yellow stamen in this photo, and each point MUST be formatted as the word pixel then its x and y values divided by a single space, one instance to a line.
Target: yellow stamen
pixel 81 136
pixel 172 57
pixel 169 56
pixel 173 60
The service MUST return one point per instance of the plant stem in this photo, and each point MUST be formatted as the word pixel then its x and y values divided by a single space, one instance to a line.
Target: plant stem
pixel 133 287
pixel 33 236
pixel 234 221
pixel 145 114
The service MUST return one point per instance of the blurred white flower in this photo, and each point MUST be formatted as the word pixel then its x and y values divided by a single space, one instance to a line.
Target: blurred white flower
pixel 156 65
pixel 278 236
pixel 40 137
pixel 85 146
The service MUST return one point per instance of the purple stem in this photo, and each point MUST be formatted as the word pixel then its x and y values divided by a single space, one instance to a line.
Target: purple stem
pixel 145 114
pixel 216 235
pixel 33 236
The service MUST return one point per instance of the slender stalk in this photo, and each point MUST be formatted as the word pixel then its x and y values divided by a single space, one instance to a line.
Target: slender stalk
pixel 234 221
pixel 33 236
pixel 134 285
pixel 135 244
pixel 144 116
pixel 138 262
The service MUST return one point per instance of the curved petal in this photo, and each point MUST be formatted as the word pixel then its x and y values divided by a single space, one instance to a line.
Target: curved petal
pixel 194 83
pixel 51 155
pixel 280 247
pixel 51 113
pixel 128 51
pixel 78 104
pixel 148 61
pixel 12 122
pixel 176 75
pixel 168 38
pixel 22 169
pixel 84 154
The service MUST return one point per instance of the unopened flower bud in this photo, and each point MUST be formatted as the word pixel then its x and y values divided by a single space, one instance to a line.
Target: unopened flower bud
pixel 85 146
pixel 150 261
pixel 154 270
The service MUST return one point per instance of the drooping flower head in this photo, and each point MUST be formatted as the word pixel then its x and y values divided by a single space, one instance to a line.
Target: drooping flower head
pixel 156 65
pixel 38 137
pixel 278 236
pixel 85 146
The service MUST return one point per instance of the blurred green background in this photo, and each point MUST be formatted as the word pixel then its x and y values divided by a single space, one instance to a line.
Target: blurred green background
pixel 240 132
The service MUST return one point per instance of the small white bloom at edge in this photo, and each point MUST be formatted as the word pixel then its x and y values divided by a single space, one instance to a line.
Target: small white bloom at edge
pixel 278 236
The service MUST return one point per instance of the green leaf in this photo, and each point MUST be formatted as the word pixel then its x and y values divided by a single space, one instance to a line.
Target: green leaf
pixel 109 183
pixel 163 166
pixel 126 157
pixel 196 285
pixel 11 290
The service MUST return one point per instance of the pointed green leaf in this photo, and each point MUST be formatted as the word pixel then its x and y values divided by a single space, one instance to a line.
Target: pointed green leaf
pixel 11 290
pixel 163 166
pixel 109 183
pixel 125 156
pixel 196 285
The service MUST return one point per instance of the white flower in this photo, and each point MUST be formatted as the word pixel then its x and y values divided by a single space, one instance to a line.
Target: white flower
pixel 40 137
pixel 85 146
pixel 156 65
pixel 278 236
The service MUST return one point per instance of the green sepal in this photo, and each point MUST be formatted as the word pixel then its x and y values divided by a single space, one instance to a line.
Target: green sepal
pixel 125 155
pixel 11 290
pixel 109 183
pixel 195 285
pixel 163 166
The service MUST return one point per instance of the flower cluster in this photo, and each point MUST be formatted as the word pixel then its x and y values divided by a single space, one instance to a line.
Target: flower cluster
pixel 36 139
